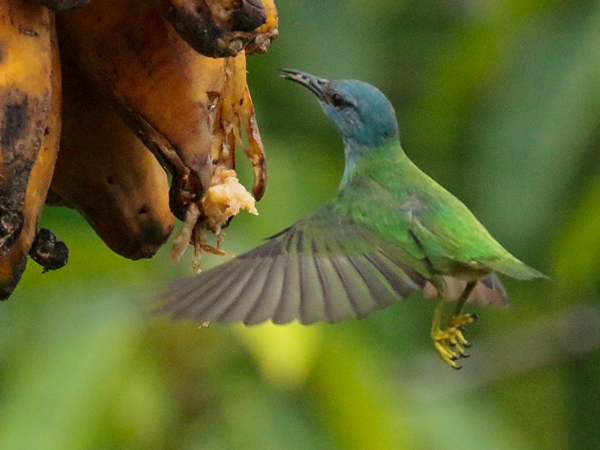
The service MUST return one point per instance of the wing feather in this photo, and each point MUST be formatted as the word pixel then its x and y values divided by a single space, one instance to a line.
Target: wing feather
pixel 240 300
pixel 244 300
pixel 380 290
pixel 395 275
pixel 357 292
pixel 269 297
pixel 191 293
pixel 325 268
pixel 312 305
pixel 288 308
pixel 337 303
pixel 202 301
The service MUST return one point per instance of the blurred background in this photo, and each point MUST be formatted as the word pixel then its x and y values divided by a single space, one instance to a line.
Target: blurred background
pixel 498 100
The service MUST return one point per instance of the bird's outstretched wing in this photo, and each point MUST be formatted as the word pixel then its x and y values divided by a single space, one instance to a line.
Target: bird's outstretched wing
pixel 324 268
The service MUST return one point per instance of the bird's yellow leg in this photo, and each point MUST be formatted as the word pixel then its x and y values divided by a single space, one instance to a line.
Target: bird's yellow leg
pixel 450 343
pixel 460 304
pixel 459 319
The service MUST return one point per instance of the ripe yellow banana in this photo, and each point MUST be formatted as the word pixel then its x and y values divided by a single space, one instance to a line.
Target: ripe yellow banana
pixel 107 174
pixel 187 108
pixel 30 95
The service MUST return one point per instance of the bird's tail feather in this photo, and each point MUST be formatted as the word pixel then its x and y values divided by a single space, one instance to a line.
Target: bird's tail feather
pixel 516 269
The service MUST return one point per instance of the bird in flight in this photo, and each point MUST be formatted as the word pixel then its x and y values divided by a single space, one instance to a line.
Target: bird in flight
pixel 391 230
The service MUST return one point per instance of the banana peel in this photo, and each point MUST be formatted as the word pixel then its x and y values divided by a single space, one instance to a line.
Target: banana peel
pixel 30 96
pixel 107 174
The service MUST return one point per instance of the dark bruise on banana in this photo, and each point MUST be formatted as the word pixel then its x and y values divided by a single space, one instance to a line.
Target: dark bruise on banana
pixel 21 129
pixel 220 28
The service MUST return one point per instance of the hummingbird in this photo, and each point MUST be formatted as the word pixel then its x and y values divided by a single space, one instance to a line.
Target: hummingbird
pixel 390 231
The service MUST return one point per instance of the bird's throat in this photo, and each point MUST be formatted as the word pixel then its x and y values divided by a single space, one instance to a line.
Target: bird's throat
pixel 357 155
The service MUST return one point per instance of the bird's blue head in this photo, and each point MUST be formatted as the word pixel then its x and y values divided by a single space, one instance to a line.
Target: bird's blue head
pixel 364 116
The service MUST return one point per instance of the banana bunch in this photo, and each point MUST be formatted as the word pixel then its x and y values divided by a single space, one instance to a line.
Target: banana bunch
pixel 147 86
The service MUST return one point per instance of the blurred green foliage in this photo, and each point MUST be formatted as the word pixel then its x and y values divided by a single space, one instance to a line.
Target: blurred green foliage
pixel 500 102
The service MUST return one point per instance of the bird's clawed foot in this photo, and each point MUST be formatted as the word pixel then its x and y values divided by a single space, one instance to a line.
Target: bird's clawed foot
pixel 450 343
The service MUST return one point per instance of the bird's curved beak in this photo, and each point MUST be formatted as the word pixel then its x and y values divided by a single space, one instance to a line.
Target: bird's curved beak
pixel 313 83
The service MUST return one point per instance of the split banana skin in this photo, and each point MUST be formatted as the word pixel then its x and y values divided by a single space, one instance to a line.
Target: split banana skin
pixel 99 99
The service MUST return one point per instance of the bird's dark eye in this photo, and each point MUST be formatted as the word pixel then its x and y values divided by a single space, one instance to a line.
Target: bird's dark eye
pixel 338 101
